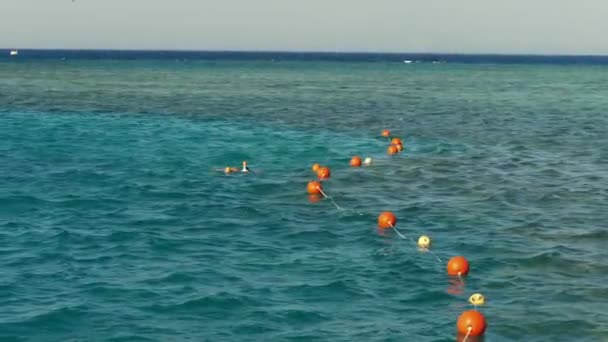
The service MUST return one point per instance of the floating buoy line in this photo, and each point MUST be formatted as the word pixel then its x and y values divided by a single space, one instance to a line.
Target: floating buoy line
pixel 470 323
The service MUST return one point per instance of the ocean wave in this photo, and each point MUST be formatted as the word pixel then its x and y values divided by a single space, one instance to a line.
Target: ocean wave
pixel 222 304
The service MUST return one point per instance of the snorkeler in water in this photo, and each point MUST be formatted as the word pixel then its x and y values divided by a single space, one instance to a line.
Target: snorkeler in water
pixel 245 168
pixel 228 169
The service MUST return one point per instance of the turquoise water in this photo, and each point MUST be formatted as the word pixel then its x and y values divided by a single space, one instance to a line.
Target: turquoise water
pixel 115 225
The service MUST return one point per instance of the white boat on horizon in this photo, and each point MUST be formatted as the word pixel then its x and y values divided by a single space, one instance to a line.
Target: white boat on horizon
pixel 14 52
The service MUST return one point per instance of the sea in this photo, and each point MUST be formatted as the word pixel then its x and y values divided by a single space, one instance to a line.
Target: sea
pixel 117 222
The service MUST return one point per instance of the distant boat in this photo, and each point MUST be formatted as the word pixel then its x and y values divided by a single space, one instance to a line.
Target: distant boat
pixel 14 52
pixel 407 61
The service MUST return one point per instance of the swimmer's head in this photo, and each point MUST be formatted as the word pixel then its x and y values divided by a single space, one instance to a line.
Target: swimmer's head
pixel 227 169
pixel 367 161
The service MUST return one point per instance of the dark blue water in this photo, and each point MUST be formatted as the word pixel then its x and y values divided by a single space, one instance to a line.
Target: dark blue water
pixel 116 226
pixel 278 56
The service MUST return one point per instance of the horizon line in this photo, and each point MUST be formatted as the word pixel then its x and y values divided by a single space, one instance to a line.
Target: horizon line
pixel 353 52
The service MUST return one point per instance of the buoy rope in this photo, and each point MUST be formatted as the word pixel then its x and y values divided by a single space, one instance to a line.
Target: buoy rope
pixel 435 255
pixel 335 204
pixel 397 231
pixel 466 337
pixel 406 238
pixel 329 198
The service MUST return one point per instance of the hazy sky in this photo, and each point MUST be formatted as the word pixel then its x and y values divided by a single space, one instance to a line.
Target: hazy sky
pixel 475 26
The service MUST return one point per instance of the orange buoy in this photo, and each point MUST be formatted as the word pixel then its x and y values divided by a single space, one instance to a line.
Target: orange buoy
pixel 392 150
pixel 387 220
pixel 471 322
pixel 314 188
pixel 355 161
pixel 315 167
pixel 323 173
pixel 386 133
pixel 396 141
pixel 399 147
pixel 458 266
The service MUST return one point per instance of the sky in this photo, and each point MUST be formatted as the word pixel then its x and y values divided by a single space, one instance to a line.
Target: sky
pixel 437 26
